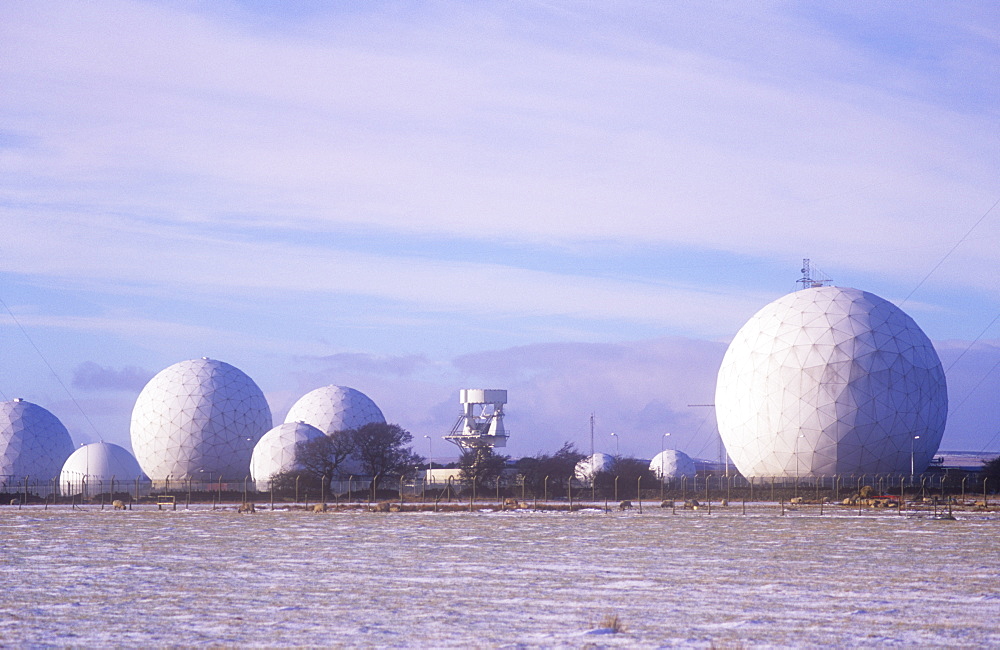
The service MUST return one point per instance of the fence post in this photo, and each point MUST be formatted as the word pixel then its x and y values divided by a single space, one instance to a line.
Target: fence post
pixel 638 492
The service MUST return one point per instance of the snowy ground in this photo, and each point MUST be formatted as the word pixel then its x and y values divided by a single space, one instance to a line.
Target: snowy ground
pixel 489 579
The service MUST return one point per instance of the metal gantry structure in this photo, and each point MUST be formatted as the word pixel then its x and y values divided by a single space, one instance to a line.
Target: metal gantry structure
pixel 480 426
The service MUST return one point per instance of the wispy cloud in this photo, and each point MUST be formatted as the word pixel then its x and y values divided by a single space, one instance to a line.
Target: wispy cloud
pixel 165 260
pixel 359 363
pixel 90 376
pixel 469 126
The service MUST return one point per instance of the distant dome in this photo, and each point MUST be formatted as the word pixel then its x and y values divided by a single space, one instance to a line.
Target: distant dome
pixel 33 442
pixel 672 464
pixel 198 417
pixel 335 408
pixel 591 465
pixel 275 452
pixel 829 381
pixel 99 462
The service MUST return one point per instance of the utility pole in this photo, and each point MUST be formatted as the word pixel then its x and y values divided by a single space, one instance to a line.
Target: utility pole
pixel 591 435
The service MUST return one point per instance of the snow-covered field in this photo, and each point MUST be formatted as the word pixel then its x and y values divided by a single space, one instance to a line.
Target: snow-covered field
pixel 488 579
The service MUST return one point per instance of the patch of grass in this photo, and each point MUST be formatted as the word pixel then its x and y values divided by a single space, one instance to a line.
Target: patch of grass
pixel 612 622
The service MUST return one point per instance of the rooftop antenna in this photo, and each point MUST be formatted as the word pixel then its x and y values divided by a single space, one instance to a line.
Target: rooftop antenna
pixel 812 277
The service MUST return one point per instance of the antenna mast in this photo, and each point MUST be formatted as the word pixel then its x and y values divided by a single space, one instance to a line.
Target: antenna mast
pixel 591 435
pixel 807 280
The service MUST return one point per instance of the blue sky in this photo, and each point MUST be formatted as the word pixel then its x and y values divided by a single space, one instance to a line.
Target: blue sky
pixel 578 202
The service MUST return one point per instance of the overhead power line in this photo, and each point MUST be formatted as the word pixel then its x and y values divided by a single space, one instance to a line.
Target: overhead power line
pixel 948 254
pixel 981 334
pixel 49 366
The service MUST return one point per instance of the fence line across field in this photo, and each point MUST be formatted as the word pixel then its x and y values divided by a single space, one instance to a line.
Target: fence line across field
pixel 709 487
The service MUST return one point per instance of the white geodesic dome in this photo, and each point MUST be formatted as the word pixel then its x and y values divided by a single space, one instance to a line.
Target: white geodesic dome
pixel 587 468
pixel 335 408
pixel 198 419
pixel 98 464
pixel 275 452
pixel 33 442
pixel 829 381
pixel 671 463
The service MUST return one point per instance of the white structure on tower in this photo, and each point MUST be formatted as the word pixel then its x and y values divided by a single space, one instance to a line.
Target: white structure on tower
pixel 481 422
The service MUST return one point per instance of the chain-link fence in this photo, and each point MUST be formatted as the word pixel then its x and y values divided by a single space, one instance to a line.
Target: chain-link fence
pixel 705 486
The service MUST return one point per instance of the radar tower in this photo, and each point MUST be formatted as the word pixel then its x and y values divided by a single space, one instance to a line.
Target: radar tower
pixel 481 424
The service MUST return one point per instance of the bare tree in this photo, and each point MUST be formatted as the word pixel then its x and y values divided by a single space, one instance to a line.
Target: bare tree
pixel 627 471
pixel 323 456
pixel 991 473
pixel 558 467
pixel 381 449
pixel 481 466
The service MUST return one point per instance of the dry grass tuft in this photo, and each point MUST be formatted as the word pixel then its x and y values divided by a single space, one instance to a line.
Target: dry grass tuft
pixel 612 622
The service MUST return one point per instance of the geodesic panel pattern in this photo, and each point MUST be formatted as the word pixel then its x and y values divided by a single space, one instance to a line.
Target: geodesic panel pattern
pixel 275 452
pixel 589 467
pixel 671 463
pixel 98 463
pixel 829 381
pixel 335 408
pixel 33 442
pixel 198 419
